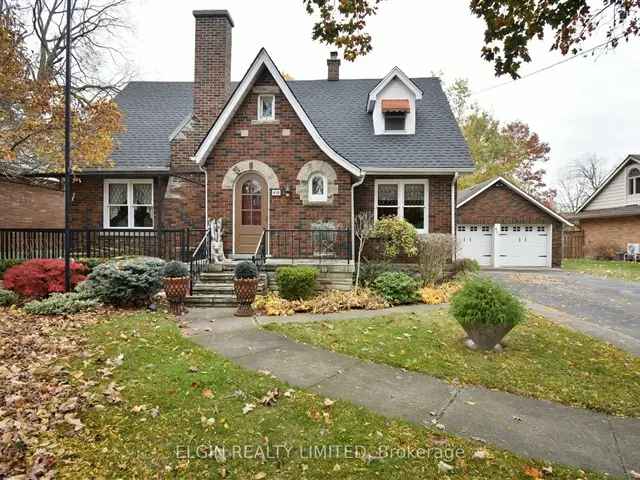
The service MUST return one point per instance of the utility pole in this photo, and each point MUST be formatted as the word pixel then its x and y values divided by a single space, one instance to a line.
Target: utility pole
pixel 67 156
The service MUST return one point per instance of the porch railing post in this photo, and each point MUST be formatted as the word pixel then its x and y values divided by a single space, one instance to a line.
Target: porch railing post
pixel 183 245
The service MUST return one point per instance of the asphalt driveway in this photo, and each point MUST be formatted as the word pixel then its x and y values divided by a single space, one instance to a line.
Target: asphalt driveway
pixel 608 309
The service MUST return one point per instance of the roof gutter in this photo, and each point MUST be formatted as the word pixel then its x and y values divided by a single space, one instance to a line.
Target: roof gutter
pixel 353 215
pixel 454 186
pixel 206 194
pixel 414 171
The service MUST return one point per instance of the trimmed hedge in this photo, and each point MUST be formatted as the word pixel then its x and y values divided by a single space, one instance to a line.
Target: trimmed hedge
pixel 397 288
pixel 296 283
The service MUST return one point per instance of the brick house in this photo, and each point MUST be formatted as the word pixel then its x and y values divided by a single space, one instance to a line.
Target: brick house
pixel 610 217
pixel 268 154
pixel 500 225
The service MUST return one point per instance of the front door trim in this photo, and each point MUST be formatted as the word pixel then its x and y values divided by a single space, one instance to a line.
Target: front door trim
pixel 236 181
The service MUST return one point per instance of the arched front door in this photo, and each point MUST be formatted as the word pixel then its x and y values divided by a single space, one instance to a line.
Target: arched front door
pixel 251 204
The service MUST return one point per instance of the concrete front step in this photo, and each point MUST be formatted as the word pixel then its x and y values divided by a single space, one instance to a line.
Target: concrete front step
pixel 223 300
pixel 220 288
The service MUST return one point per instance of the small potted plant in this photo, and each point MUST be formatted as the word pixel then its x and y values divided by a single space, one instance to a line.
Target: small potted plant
pixel 176 285
pixel 245 284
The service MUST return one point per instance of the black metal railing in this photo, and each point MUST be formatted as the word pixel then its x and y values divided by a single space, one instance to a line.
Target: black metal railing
pixel 200 259
pixel 312 244
pixel 24 244
pixel 260 257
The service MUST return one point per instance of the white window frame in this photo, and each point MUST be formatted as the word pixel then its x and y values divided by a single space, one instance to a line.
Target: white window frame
pixel 401 182
pixel 325 194
pixel 130 206
pixel 636 194
pixel 404 131
pixel 261 117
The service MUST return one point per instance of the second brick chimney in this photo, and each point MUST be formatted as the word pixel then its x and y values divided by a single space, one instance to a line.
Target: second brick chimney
pixel 333 67
pixel 212 79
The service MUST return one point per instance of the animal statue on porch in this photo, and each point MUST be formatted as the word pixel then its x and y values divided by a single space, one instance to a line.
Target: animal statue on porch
pixel 217 247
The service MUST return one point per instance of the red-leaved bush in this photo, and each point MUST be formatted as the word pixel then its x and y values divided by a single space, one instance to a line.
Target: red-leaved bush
pixel 38 278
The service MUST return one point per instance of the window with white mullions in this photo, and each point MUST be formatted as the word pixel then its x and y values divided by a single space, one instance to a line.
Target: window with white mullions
pixel 404 199
pixel 128 204
pixel 634 181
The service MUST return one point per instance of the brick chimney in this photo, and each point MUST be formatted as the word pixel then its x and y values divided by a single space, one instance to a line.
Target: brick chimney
pixel 212 79
pixel 333 67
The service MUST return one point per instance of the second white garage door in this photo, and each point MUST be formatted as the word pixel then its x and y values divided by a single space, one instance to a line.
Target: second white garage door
pixel 506 245
pixel 523 246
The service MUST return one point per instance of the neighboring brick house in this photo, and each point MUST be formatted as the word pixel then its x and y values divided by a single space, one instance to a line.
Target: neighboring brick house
pixel 270 154
pixel 610 218
pixel 500 225
pixel 26 204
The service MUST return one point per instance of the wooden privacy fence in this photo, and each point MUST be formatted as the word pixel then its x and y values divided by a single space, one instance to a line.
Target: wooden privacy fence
pixel 573 244
pixel 24 244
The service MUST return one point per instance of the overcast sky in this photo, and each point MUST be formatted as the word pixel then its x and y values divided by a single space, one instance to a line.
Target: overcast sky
pixel 581 107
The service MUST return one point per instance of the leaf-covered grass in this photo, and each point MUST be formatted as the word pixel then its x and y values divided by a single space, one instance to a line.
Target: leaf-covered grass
pixel 541 359
pixel 178 395
pixel 615 269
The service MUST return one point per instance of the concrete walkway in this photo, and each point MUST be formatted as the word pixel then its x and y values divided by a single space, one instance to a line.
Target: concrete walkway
pixel 532 428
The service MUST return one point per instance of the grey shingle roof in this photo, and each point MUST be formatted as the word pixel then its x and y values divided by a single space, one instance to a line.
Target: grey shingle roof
pixel 469 192
pixel 337 109
pixel 153 110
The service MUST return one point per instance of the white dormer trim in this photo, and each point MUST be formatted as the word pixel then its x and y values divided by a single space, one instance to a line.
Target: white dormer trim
pixel 394 73
pixel 241 92
pixel 607 180
pixel 520 192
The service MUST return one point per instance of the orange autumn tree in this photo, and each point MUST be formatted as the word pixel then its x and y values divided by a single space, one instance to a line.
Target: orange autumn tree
pixel 32 114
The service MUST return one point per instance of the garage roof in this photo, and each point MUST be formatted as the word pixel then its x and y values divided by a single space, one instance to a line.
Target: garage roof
pixel 465 196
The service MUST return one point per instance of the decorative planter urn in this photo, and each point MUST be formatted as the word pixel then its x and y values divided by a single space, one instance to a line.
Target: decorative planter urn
pixel 245 289
pixel 487 337
pixel 176 289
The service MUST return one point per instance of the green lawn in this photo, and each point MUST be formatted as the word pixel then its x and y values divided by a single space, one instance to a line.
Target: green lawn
pixel 541 359
pixel 605 268
pixel 177 395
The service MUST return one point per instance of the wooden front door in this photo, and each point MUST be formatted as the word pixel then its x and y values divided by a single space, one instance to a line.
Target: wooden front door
pixel 251 204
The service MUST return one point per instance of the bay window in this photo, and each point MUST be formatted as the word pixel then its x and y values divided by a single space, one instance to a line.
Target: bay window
pixel 128 203
pixel 406 199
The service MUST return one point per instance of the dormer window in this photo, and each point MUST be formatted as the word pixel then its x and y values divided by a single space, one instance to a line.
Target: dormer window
pixel 266 108
pixel 634 181
pixel 395 115
pixel 395 122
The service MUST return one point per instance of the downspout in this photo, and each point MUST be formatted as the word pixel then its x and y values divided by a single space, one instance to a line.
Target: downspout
pixel 353 215
pixel 206 194
pixel 454 186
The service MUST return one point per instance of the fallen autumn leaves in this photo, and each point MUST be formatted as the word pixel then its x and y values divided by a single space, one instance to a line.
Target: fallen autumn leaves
pixel 40 391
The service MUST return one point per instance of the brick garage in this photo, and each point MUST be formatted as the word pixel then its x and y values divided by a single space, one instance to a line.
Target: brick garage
pixel 499 204
pixel 27 205
pixel 609 235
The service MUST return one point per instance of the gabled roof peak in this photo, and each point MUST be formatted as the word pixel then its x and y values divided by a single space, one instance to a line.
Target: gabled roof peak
pixel 395 72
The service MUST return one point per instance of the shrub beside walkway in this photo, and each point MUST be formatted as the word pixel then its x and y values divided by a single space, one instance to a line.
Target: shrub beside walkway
pixel 534 428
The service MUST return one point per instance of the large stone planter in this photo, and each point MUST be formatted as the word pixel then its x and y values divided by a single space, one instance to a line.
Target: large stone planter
pixel 176 289
pixel 486 337
pixel 245 289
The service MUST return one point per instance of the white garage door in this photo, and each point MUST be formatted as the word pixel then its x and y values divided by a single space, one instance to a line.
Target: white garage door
pixel 476 242
pixel 523 246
